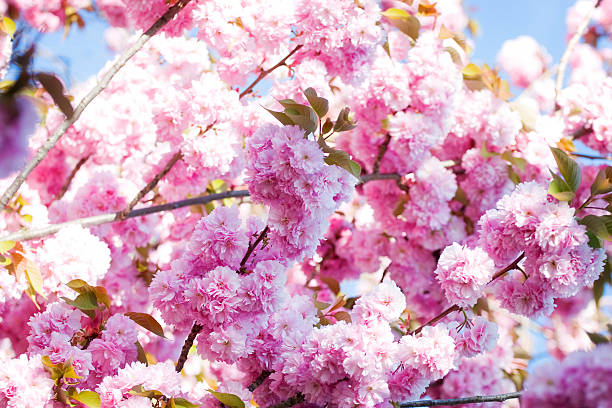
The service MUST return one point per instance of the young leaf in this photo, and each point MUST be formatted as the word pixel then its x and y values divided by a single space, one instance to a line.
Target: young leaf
pixel 33 276
pixel 55 88
pixel 568 167
pixel 559 189
pixel 85 301
pixel 331 283
pixel 282 118
pixel 8 26
pixel 87 398
pixel 342 315
pixel 183 403
pixel 485 153
pixel 603 182
pixel 342 159
pixel 78 285
pixel 6 246
pixel 404 21
pixel 231 400
pixel 596 225
pixel 147 321
pixel 318 104
pixel 327 126
pixel 343 123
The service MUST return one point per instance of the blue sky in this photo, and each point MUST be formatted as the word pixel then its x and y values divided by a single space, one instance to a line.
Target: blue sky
pixel 83 52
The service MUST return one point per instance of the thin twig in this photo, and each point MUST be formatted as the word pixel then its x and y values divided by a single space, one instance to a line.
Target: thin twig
pixel 382 149
pixel 379 176
pixel 588 156
pixel 27 235
pixel 251 248
pixel 296 399
pixel 71 177
pixel 568 52
pixel 195 330
pixel 266 72
pixel 151 185
pixel 459 401
pixel 455 308
pixel 91 95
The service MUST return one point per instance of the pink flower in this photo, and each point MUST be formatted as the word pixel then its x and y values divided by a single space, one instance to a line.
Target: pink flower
pixel 463 273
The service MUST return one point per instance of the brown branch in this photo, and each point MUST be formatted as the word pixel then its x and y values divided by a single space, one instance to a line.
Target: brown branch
pixel 588 156
pixel 571 44
pixel 296 399
pixel 379 176
pixel 251 248
pixel 71 177
pixel 27 235
pixel 91 95
pixel 456 308
pixel 259 380
pixel 151 185
pixel 459 401
pixel 195 330
pixel 266 72
pixel 382 149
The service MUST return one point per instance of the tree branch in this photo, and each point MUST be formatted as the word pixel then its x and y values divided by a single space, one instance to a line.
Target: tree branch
pixel 115 217
pixel 195 330
pixel 71 177
pixel 455 308
pixel 568 52
pixel 459 401
pixel 151 185
pixel 265 73
pixel 95 91
pixel 259 380
pixel 251 248
pixel 296 399
pixel 382 149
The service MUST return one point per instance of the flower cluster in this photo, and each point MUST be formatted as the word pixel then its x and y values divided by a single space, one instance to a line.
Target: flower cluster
pixel 558 261
pixel 286 172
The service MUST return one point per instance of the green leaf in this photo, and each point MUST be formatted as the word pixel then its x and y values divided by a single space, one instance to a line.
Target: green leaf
pixel 183 403
pixel 597 338
pixel 404 21
pixel 342 159
pixel 302 115
pixel 231 400
pixel 560 190
pixel 603 182
pixel 85 301
pixel 513 175
pixel 318 104
pixel 78 285
pixel 568 167
pixel 282 118
pixel 147 321
pixel 520 163
pixel 87 398
pixel 55 88
pixel 485 153
pixel 598 225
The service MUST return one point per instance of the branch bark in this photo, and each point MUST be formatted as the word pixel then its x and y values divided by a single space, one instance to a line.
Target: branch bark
pixel 459 401
pixel 195 330
pixel 571 44
pixel 87 99
pixel 116 217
